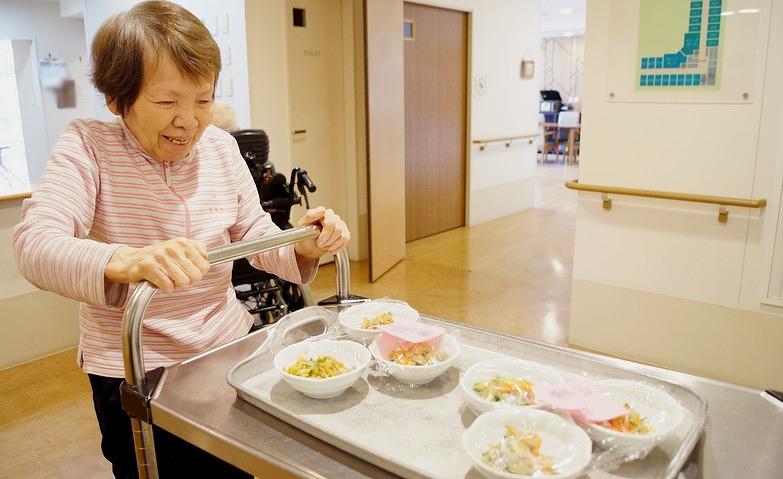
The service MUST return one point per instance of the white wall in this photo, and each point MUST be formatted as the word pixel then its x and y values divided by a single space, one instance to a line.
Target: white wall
pixel 72 9
pixel 63 38
pixel 663 281
pixel 233 89
pixel 502 33
pixel 32 126
pixel 35 323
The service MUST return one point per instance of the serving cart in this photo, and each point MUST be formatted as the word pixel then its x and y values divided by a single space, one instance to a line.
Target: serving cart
pixel 730 432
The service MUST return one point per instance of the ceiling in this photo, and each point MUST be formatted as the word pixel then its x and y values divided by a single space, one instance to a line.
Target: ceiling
pixel 554 23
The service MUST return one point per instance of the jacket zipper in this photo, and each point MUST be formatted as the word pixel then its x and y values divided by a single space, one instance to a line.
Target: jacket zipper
pixel 167 178
pixel 167 174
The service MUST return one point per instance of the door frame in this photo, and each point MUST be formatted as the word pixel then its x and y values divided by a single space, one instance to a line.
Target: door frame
pixel 363 125
pixel 385 134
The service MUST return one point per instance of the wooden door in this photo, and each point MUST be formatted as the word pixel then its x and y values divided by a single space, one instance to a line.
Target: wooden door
pixel 436 46
pixel 315 93
pixel 385 134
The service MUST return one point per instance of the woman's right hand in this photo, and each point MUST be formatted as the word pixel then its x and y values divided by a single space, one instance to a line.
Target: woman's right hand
pixel 170 265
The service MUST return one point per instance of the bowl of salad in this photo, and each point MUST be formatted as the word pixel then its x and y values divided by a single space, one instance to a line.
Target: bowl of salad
pixel 416 362
pixel 505 383
pixel 653 414
pixel 322 369
pixel 525 443
pixel 365 321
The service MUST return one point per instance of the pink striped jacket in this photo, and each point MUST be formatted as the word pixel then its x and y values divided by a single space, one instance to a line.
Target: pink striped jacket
pixel 99 191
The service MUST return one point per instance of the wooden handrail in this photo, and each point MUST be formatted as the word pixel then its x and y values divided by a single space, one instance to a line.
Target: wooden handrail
pixel 15 196
pixel 666 195
pixel 504 139
pixel 721 201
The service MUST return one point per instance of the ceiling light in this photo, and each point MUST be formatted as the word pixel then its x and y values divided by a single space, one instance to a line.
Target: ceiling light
pixel 566 11
pixel 568 34
pixel 727 13
pixel 749 10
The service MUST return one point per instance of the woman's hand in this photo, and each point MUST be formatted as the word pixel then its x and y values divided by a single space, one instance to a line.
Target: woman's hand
pixel 334 233
pixel 170 265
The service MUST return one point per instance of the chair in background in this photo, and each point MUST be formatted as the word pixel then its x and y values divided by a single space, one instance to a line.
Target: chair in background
pixel 568 123
pixel 548 139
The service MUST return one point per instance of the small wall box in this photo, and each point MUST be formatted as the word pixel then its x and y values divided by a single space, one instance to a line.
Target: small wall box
pixel 527 69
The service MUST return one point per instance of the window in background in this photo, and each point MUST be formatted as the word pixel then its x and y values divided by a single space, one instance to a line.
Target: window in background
pixel 14 176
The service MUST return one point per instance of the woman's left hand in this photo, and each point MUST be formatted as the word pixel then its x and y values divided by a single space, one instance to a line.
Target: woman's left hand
pixel 334 233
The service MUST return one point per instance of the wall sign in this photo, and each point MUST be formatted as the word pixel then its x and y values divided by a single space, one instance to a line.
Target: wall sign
pixel 686 51
pixel 693 28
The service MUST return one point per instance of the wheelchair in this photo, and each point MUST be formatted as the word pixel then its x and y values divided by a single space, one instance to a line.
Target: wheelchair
pixel 266 296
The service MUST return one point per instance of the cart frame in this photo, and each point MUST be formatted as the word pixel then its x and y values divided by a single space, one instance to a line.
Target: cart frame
pixel 139 385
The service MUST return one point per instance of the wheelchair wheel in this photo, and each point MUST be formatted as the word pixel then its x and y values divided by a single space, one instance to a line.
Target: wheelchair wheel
pixel 292 295
pixel 271 299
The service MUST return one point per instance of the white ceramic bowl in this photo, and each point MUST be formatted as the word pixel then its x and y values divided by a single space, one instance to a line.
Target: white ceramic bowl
pixel 569 446
pixel 352 354
pixel 662 411
pixel 538 374
pixel 351 318
pixel 420 374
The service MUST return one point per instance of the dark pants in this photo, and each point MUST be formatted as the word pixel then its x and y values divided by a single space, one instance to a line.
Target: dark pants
pixel 176 458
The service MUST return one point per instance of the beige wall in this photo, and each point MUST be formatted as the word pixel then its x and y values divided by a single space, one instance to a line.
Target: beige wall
pixel 730 344
pixel 661 281
pixel 11 282
pixel 355 126
pixel 270 107
pixel 33 323
pixel 500 179
pixel 268 76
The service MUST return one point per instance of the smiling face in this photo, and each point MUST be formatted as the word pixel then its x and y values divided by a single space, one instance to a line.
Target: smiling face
pixel 171 112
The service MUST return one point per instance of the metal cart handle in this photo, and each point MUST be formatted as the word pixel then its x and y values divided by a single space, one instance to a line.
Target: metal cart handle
pixel 132 354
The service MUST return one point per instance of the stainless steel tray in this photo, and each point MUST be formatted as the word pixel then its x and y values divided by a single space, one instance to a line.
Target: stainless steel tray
pixel 416 432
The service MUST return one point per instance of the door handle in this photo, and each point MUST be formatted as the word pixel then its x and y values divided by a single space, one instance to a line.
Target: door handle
pixel 298 132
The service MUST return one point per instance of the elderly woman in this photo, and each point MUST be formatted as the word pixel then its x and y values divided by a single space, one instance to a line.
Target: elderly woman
pixel 143 198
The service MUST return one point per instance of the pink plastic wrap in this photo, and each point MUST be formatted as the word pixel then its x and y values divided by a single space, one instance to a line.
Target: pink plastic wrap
pixel 405 336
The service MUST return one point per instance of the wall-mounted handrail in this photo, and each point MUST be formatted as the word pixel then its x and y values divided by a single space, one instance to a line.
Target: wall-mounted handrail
pixel 15 196
pixel 504 139
pixel 721 201
pixel 132 352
